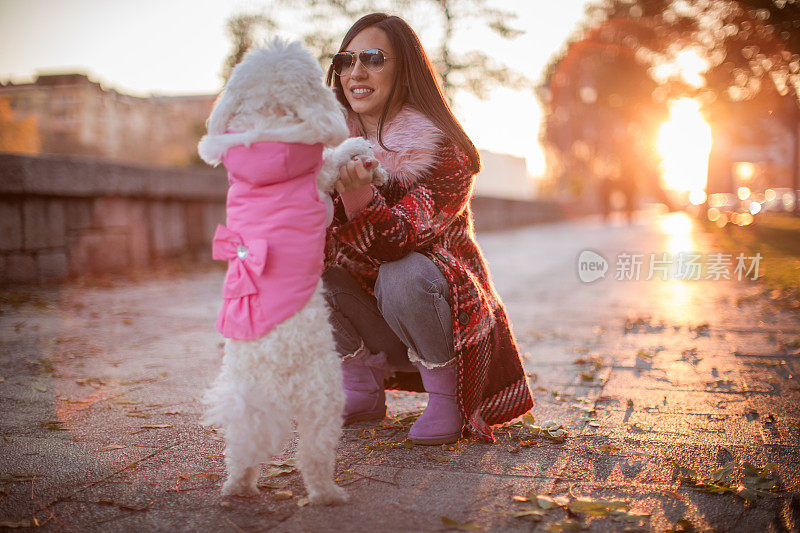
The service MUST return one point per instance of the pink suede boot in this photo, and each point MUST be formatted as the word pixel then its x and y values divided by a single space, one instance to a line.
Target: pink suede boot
pixel 365 397
pixel 441 422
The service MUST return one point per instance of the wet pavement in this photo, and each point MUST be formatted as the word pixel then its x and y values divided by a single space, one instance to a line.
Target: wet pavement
pixel 658 385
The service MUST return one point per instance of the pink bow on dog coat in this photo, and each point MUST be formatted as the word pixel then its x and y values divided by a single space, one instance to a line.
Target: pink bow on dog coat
pixel 275 236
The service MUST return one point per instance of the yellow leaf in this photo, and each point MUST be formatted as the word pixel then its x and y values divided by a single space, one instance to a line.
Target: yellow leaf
pixel 282 495
pixel 449 523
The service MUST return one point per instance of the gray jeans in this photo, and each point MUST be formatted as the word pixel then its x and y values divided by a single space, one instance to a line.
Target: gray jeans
pixel 410 312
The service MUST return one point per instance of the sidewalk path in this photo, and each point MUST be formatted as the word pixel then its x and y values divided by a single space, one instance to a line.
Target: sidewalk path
pixel 99 388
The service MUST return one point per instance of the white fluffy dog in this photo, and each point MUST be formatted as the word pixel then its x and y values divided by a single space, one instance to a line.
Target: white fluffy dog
pixel 273 119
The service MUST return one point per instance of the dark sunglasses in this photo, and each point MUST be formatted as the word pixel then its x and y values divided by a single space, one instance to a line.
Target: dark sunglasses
pixel 374 60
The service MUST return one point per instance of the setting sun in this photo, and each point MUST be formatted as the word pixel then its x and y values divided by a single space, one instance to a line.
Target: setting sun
pixel 684 142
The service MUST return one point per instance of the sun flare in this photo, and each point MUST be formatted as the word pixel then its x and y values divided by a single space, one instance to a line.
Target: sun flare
pixel 684 142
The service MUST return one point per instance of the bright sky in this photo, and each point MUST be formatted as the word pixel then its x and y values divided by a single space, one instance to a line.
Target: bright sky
pixel 178 47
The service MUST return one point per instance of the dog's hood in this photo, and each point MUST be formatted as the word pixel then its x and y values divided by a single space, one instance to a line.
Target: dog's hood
pixel 265 163
pixel 413 139
pixel 326 130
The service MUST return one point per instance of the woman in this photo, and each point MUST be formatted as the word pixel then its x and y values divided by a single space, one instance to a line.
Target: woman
pixel 410 292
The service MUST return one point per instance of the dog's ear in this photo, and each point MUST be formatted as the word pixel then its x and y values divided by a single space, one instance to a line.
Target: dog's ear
pixel 327 120
pixel 222 113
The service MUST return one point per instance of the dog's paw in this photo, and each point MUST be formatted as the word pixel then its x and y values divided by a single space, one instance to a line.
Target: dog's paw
pixel 239 487
pixel 352 147
pixel 332 495
pixel 379 175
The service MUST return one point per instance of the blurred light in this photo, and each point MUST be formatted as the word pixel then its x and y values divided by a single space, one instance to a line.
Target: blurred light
pixel 745 219
pixel 755 208
pixel 697 197
pixel 769 195
pixel 678 227
pixel 722 220
pixel 718 199
pixel 691 66
pixel 735 218
pixel 787 199
pixel 743 193
pixel 713 214
pixel 744 170
pixel 588 95
pixel 684 142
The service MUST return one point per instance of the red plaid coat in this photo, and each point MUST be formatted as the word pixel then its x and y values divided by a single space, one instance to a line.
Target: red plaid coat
pixel 425 207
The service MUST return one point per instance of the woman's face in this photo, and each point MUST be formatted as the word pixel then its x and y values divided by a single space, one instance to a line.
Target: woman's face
pixel 365 90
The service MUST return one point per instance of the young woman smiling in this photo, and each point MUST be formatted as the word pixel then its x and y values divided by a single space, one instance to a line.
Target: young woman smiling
pixel 413 305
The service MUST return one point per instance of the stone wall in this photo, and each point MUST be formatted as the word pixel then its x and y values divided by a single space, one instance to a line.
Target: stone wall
pixel 64 217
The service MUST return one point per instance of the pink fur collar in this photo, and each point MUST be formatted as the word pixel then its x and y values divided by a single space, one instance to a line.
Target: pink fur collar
pixel 414 139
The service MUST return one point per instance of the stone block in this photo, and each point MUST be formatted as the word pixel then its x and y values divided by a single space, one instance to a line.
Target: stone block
pixel 138 234
pixel 99 251
pixel 52 265
pixel 111 212
pixel 213 215
pixel 20 268
pixel 78 214
pixel 195 231
pixel 168 228
pixel 11 225
pixel 43 223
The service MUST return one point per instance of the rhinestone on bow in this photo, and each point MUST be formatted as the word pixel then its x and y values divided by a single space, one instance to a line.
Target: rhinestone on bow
pixel 242 251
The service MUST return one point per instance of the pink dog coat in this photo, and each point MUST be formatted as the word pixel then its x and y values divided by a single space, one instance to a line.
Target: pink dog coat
pixel 274 241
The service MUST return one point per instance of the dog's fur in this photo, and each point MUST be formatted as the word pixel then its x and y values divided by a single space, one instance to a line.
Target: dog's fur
pixel 276 94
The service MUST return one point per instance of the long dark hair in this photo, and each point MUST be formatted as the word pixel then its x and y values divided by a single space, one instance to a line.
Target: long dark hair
pixel 415 81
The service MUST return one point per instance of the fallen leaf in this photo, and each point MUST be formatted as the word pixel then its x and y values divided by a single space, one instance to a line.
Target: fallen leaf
pixel 449 523
pixel 227 505
pixel 16 525
pixel 111 447
pixel 533 514
pixel 54 425
pixel 302 502
pixel 438 458
pixel 407 443
pixel 40 388
pixel 567 525
pixel 282 495
pixel 596 507
pixel 279 471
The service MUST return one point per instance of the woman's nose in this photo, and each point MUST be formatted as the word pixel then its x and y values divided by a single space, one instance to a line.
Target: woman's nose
pixel 359 71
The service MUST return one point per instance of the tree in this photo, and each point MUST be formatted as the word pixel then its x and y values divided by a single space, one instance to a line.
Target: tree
pixel 472 71
pixel 243 31
pixel 751 47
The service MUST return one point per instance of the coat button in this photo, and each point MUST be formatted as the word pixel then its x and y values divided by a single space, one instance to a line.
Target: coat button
pixel 463 318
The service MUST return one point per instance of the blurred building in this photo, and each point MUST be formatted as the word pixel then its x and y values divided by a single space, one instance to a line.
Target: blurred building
pixel 504 176
pixel 77 116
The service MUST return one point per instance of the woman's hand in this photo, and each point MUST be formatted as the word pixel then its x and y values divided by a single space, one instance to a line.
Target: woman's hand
pixel 354 175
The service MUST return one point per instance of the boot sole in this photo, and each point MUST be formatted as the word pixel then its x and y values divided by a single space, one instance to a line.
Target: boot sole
pixel 434 441
pixel 363 417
